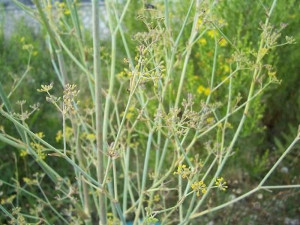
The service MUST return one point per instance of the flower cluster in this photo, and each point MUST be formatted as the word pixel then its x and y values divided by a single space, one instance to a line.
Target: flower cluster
pixel 221 184
pixel 183 171
pixel 70 93
pixel 203 90
pixel 199 187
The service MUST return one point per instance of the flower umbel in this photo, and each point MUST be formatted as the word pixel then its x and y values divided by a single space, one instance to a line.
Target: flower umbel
pixel 183 171
pixel 199 187
pixel 221 184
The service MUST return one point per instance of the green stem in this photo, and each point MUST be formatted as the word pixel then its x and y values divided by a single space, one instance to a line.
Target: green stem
pixel 145 173
pixel 98 110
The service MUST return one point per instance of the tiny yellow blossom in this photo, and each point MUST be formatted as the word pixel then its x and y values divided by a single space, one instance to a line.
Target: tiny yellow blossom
pixel 27 47
pixel 272 74
pixel 202 41
pixel 23 153
pixel 199 23
pixel 212 33
pixel 156 198
pixel 67 12
pixel 200 89
pixel 29 181
pixel 203 90
pixel 223 42
pixel 229 125
pixel 69 132
pixel 40 134
pixel 207 91
pixel 183 171
pixel 210 120
pixel 129 115
pixel 222 22
pixel 45 88
pixel 199 187
pixel 59 136
pixel 226 68
pixel 61 5
pixel 221 184
pixel 8 200
pixel 130 112
pixel 91 137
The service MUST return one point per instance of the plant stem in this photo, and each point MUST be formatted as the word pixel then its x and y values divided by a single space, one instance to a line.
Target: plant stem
pixel 98 109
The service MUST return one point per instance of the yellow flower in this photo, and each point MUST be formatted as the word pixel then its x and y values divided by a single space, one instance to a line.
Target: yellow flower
pixel 40 134
pixel 223 42
pixel 183 171
pixel 27 47
pixel 202 90
pixel 23 153
pixel 28 181
pixel 61 5
pixel 91 137
pixel 207 91
pixel 22 39
pixel 67 12
pixel 222 22
pixel 8 200
pixel 212 33
pixel 199 187
pixel 199 23
pixel 221 184
pixel 130 113
pixel 226 68
pixel 210 120
pixel 202 41
pixel 156 198
pixel 39 150
pixel 229 125
pixel 59 136
pixel 272 74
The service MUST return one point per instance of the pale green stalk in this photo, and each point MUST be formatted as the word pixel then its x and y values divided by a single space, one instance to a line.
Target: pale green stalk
pixel 145 173
pixel 126 178
pixel 7 213
pixel 98 110
pixel 80 157
pixel 170 61
pixel 213 72
pixel 225 122
pixel 21 79
pixel 279 160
